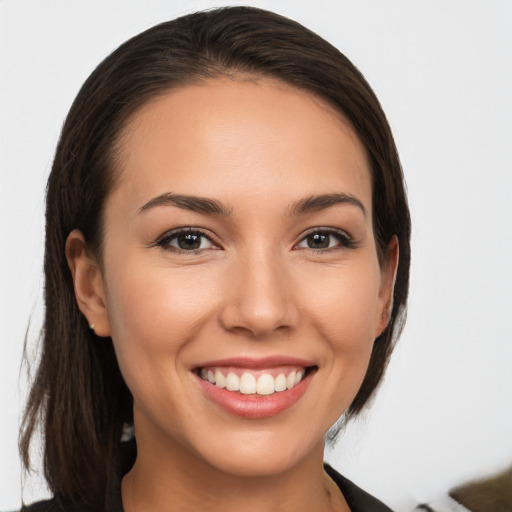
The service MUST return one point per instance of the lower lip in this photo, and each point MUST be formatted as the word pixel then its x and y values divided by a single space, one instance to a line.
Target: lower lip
pixel 255 406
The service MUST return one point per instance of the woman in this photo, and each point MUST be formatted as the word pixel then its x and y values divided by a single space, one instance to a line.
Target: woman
pixel 226 263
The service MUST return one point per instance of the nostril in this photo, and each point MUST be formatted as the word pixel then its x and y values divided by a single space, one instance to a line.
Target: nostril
pixel 256 322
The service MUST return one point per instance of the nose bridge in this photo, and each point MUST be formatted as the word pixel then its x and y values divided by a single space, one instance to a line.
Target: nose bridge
pixel 260 301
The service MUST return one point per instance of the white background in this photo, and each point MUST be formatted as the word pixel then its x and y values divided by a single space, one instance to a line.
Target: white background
pixel 442 70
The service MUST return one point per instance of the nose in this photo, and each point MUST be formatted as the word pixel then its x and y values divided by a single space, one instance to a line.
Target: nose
pixel 260 299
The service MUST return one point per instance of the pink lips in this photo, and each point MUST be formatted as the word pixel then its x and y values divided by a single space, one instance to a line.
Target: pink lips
pixel 255 406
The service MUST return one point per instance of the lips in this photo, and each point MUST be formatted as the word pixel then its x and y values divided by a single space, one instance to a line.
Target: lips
pixel 255 388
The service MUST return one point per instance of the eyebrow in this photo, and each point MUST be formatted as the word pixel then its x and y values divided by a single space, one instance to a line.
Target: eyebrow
pixel 209 206
pixel 321 202
pixel 193 203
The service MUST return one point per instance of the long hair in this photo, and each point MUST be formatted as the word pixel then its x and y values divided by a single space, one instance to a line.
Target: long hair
pixel 78 396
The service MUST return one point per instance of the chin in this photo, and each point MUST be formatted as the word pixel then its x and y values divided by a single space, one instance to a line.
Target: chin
pixel 261 464
pixel 261 454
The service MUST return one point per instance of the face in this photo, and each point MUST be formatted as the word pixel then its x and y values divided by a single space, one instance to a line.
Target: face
pixel 240 279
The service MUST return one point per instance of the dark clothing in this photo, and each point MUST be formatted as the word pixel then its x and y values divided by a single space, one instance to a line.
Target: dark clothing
pixel 357 499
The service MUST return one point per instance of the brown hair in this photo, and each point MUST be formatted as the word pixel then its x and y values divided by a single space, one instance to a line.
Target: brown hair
pixel 79 396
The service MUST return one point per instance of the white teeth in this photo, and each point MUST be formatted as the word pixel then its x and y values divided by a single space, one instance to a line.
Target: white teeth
pixel 265 384
pixel 247 384
pixel 250 384
pixel 220 380
pixel 232 382
pixel 280 382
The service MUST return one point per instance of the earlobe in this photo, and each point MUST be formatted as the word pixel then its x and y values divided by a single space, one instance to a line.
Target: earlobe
pixel 389 269
pixel 88 284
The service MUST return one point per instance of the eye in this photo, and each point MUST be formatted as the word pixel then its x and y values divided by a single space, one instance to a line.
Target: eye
pixel 186 240
pixel 325 239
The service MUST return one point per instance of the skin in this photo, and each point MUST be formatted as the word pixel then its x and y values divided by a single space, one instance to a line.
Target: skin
pixel 255 289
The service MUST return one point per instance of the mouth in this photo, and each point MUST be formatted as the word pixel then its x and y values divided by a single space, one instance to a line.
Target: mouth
pixel 247 381
pixel 255 389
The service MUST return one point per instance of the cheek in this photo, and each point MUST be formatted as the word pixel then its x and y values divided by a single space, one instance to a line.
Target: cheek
pixel 154 313
pixel 345 308
pixel 151 301
pixel 346 305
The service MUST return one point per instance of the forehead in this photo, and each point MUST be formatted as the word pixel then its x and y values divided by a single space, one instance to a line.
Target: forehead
pixel 240 139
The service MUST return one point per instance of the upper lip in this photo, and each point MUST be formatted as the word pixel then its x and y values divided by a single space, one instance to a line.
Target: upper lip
pixel 257 363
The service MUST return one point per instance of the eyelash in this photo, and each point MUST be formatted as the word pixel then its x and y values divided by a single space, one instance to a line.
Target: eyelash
pixel 344 241
pixel 165 240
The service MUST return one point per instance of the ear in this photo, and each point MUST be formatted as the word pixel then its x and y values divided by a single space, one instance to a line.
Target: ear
pixel 88 284
pixel 389 268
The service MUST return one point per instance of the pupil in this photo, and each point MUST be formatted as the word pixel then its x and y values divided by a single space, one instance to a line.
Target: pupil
pixel 189 241
pixel 318 241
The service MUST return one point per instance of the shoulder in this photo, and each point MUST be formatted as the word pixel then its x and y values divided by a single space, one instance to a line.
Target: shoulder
pixel 357 499
pixel 113 503
pixel 54 505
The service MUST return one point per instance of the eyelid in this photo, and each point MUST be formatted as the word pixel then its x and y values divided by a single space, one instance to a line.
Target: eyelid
pixel 345 239
pixel 163 240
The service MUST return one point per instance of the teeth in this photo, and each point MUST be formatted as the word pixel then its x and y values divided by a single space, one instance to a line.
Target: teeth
pixel 280 382
pixel 290 380
pixel 220 380
pixel 265 385
pixel 249 384
pixel 232 382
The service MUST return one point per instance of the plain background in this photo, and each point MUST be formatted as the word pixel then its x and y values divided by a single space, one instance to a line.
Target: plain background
pixel 442 70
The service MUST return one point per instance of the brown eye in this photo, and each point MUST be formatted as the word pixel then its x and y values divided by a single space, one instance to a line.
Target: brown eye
pixel 186 241
pixel 189 241
pixel 325 240
pixel 318 240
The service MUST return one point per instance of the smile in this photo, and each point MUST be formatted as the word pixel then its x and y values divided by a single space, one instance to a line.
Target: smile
pixel 250 382
pixel 255 389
